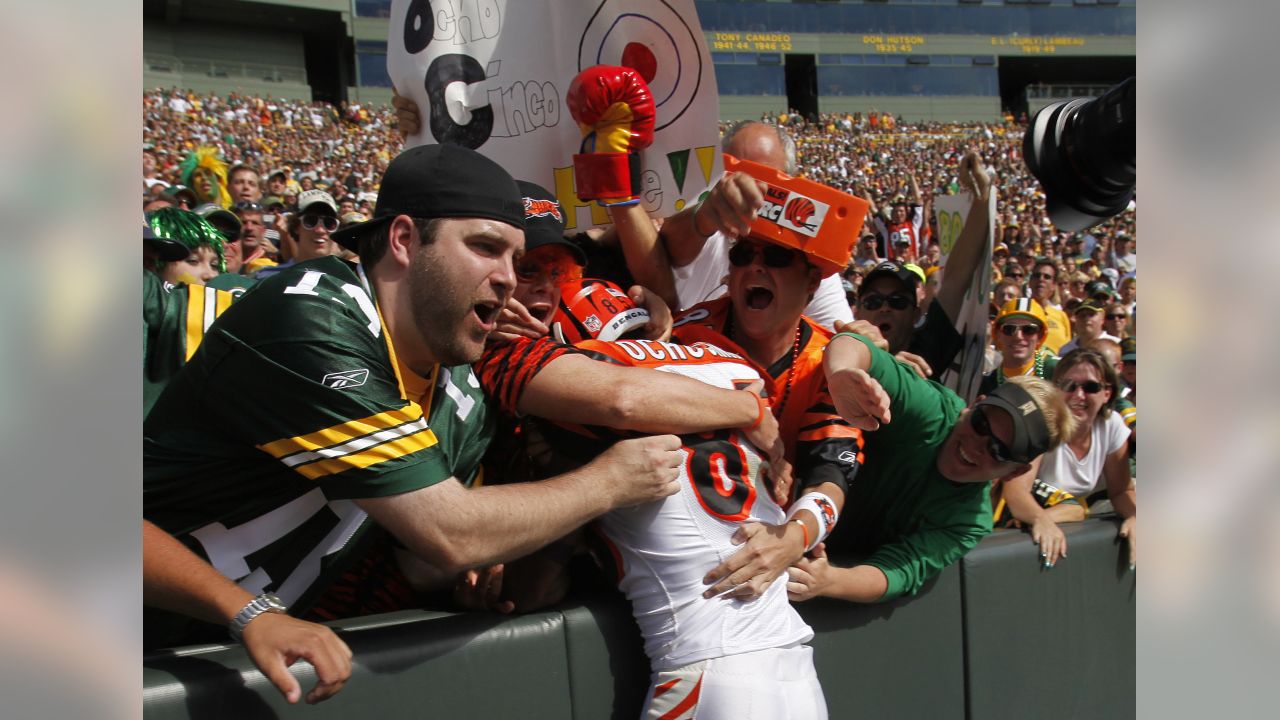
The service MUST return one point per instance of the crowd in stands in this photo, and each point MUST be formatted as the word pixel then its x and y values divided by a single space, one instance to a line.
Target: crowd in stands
pixel 254 186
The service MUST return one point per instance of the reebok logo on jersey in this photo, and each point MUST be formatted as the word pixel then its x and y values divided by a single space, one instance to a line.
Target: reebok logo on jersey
pixel 848 457
pixel 346 379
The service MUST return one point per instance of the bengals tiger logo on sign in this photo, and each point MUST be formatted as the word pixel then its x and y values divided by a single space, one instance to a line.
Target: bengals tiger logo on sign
pixel 535 207
pixel 798 212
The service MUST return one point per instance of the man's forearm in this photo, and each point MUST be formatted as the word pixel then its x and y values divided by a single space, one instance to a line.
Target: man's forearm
pixel 682 239
pixel 455 528
pixel 646 257
pixel 860 583
pixel 175 578
pixel 568 389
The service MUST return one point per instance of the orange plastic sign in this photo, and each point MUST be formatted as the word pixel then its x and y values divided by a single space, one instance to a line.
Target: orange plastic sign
pixel 819 221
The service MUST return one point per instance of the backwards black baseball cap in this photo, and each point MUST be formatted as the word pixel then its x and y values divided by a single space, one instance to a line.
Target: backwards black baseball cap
pixel 544 221
pixel 896 270
pixel 441 181
pixel 1030 430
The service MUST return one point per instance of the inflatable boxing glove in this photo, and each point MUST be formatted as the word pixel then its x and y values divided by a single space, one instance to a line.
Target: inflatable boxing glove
pixel 614 109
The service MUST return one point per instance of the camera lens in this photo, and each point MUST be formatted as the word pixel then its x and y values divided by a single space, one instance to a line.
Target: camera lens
pixel 1082 152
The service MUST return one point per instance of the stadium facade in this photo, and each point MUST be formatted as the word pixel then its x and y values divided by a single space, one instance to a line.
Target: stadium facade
pixel 921 59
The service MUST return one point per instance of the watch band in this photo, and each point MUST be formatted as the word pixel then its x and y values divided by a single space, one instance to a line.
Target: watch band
pixel 266 602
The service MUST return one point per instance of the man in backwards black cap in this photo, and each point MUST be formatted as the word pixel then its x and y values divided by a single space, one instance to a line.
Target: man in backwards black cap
pixel 922 499
pixel 363 408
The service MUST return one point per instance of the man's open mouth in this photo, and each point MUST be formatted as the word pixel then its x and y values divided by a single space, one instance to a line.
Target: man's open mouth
pixel 758 298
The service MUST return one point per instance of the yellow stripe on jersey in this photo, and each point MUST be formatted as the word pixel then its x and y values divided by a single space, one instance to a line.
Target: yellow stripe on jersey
pixel 343 433
pixel 360 443
pixel 204 305
pixel 379 453
pixel 195 319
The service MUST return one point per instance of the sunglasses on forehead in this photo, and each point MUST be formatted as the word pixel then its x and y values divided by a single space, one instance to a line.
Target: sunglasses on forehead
pixel 248 205
pixel 774 256
pixel 995 446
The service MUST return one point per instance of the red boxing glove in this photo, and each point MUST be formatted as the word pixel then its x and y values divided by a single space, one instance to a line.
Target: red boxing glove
pixel 614 109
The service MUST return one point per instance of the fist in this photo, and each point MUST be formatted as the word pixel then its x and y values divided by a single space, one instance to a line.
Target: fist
pixel 615 112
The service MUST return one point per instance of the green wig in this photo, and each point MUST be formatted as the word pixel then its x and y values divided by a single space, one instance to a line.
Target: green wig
pixel 189 229
pixel 207 158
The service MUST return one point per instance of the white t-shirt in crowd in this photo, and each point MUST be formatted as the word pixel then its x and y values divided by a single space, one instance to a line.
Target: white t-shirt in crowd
pixel 1080 476
pixel 705 279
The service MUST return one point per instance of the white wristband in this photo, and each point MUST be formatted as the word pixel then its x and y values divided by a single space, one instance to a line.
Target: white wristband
pixel 823 508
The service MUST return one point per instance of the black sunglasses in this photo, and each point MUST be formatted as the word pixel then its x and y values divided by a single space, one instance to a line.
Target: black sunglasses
pixel 1117 316
pixel 248 205
pixel 1044 276
pixel 995 446
pixel 310 220
pixel 896 302
pixel 1011 329
pixel 741 255
pixel 1090 387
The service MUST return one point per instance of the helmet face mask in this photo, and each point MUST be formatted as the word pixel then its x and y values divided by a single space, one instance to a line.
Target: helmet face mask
pixel 593 309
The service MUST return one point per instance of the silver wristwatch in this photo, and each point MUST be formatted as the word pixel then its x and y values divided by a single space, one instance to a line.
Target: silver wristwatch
pixel 266 602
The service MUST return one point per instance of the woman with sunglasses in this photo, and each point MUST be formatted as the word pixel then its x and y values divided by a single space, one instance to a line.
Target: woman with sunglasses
pixel 1098 450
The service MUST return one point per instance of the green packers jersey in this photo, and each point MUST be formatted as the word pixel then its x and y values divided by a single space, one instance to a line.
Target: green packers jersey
pixel 233 283
pixel 293 406
pixel 174 320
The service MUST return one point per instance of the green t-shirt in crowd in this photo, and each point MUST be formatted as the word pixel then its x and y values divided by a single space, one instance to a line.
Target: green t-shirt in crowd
pixel 901 514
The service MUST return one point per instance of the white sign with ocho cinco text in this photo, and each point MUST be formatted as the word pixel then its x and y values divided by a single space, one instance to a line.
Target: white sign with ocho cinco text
pixel 492 75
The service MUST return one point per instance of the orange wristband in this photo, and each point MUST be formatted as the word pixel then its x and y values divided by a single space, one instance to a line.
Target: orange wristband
pixel 763 408
pixel 804 528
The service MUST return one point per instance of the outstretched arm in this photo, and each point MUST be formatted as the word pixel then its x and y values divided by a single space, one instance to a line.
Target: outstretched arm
pixel 645 255
pixel 729 208
pixel 970 245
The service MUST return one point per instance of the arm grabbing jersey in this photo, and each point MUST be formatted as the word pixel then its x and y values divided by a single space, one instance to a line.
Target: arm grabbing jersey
pixel 909 519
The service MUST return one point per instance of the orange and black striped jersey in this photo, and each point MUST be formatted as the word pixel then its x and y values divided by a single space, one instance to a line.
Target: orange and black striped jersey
pixel 821 445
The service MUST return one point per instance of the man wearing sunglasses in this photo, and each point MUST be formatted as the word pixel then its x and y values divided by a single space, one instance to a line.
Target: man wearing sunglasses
pixel 1019 336
pixel 923 499
pixel 311 229
pixel 770 282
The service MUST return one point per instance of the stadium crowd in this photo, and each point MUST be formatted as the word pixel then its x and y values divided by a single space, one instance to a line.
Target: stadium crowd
pixel 239 190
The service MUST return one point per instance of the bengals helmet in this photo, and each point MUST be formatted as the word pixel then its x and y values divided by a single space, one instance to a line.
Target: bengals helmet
pixel 593 309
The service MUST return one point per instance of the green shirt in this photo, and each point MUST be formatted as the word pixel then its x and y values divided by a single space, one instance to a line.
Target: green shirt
pixel 900 513
pixel 292 406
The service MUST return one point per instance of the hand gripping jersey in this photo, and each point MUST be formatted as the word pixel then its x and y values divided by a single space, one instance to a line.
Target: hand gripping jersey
pixel 821 445
pixel 665 548
pixel 292 406
pixel 174 320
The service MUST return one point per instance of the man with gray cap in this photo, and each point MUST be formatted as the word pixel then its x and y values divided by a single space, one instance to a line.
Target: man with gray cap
pixel 311 231
pixel 374 424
